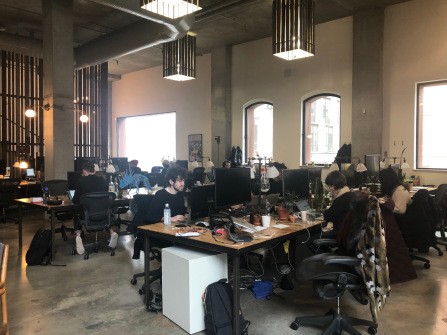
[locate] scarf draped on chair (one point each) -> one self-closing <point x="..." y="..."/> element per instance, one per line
<point x="371" y="248"/>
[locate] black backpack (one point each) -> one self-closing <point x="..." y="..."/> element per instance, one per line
<point x="219" y="310"/>
<point x="40" y="248"/>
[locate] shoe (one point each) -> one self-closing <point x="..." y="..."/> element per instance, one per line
<point x="113" y="240"/>
<point x="79" y="246"/>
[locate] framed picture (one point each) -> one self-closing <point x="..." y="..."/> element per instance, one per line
<point x="195" y="147"/>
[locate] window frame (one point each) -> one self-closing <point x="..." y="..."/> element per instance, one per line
<point x="418" y="135"/>
<point x="245" y="127"/>
<point x="303" y="123"/>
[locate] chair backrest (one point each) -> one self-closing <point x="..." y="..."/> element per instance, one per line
<point x="157" y="169"/>
<point x="140" y="204"/>
<point x="56" y="186"/>
<point x="97" y="208"/>
<point x="198" y="174"/>
<point x="9" y="190"/>
<point x="4" y="248"/>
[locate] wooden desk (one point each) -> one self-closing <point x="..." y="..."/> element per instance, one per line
<point x="206" y="241"/>
<point x="66" y="206"/>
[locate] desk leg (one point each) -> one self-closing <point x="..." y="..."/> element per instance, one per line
<point x="20" y="226"/>
<point x="236" y="288"/>
<point x="147" y="269"/>
<point x="53" y="249"/>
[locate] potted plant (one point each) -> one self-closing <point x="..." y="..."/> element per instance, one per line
<point x="286" y="206"/>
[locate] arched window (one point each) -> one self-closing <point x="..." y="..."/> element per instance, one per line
<point x="258" y="130"/>
<point x="321" y="128"/>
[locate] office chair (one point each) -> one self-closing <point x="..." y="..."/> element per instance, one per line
<point x="157" y="169"/>
<point x="198" y="174"/>
<point x="59" y="187"/>
<point x="97" y="207"/>
<point x="140" y="204"/>
<point x="9" y="190"/>
<point x="440" y="199"/>
<point x="4" y="249"/>
<point x="418" y="226"/>
<point x="335" y="274"/>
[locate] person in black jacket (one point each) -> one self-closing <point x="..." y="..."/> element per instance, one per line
<point x="172" y="195"/>
<point x="89" y="183"/>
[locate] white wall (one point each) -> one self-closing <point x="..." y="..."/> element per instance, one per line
<point x="415" y="50"/>
<point x="147" y="92"/>
<point x="257" y="74"/>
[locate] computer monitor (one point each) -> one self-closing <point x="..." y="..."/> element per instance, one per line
<point x="232" y="186"/>
<point x="121" y="163"/>
<point x="295" y="181"/>
<point x="372" y="163"/>
<point x="201" y="201"/>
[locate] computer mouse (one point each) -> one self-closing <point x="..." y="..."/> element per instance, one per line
<point x="202" y="224"/>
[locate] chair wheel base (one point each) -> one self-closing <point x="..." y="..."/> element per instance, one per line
<point x="133" y="281"/>
<point x="294" y="325"/>
<point x="86" y="256"/>
<point x="427" y="265"/>
<point x="372" y="330"/>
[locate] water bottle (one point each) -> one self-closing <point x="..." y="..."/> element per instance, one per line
<point x="167" y="215"/>
<point x="46" y="195"/>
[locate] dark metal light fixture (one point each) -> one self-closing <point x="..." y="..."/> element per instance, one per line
<point x="179" y="59"/>
<point x="293" y="29"/>
<point x="171" y="8"/>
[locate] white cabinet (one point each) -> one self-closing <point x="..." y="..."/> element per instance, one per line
<point x="185" y="275"/>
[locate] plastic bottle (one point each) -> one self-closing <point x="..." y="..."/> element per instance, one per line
<point x="167" y="215"/>
<point x="46" y="195"/>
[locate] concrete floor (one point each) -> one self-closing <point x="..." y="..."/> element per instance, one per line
<point x="95" y="296"/>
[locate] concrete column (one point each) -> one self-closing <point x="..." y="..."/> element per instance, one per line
<point x="58" y="87"/>
<point x="221" y="103"/>
<point x="367" y="82"/>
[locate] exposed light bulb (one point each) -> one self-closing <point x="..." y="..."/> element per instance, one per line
<point x="83" y="118"/>
<point x="30" y="112"/>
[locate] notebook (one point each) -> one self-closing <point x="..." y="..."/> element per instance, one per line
<point x="70" y="194"/>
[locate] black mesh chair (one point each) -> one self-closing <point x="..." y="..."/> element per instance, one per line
<point x="335" y="274"/>
<point x="9" y="190"/>
<point x="140" y="204"/>
<point x="418" y="226"/>
<point x="440" y="199"/>
<point x="57" y="188"/>
<point x="98" y="216"/>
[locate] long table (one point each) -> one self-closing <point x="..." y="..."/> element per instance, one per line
<point x="206" y="241"/>
<point x="66" y="206"/>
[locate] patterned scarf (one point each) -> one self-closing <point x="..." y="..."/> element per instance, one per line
<point x="371" y="248"/>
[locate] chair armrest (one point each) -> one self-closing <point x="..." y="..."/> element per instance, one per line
<point x="330" y="242"/>
<point x="339" y="259"/>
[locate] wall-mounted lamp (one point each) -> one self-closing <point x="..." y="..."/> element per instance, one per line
<point x="30" y="112"/>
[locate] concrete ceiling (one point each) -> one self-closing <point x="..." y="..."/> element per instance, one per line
<point x="219" y="23"/>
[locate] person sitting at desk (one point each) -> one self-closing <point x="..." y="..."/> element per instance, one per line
<point x="172" y="195"/>
<point x="133" y="165"/>
<point x="341" y="199"/>
<point x="394" y="191"/>
<point x="337" y="212"/>
<point x="89" y="183"/>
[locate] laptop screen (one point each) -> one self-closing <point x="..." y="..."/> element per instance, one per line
<point x="30" y="173"/>
<point x="70" y="194"/>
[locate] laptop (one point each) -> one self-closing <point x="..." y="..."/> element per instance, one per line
<point x="240" y="222"/>
<point x="70" y="194"/>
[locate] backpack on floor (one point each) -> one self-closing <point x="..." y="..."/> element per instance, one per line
<point x="218" y="300"/>
<point x="40" y="248"/>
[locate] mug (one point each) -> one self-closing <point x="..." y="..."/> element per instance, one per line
<point x="266" y="221"/>
<point x="303" y="215"/>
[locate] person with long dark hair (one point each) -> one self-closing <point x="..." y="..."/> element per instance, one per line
<point x="395" y="190"/>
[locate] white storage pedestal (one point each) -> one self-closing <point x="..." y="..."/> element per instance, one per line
<point x="185" y="275"/>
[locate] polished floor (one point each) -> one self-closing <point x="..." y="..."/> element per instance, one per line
<point x="95" y="296"/>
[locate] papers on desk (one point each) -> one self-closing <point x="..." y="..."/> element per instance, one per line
<point x="36" y="199"/>
<point x="280" y="226"/>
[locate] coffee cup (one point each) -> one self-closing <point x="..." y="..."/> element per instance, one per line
<point x="266" y="221"/>
<point x="303" y="215"/>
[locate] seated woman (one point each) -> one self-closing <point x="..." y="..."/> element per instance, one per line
<point x="336" y="213"/>
<point x="396" y="199"/>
